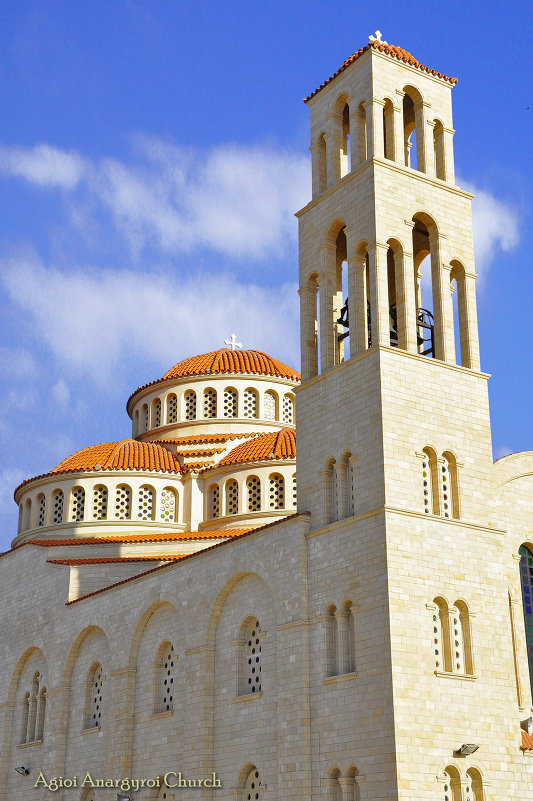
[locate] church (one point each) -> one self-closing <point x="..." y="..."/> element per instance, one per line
<point x="203" y="610"/>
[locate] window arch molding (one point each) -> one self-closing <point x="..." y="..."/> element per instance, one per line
<point x="249" y="645"/>
<point x="94" y="691"/>
<point x="249" y="784"/>
<point x="525" y="553"/>
<point x="164" y="678"/>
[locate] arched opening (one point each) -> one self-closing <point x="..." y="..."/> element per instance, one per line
<point x="94" y="689"/>
<point x="100" y="496"/>
<point x="432" y="307"/>
<point x="388" y="130"/>
<point x="232" y="497"/>
<point x="430" y="481"/>
<point x="334" y="785"/>
<point x="462" y="640"/>
<point x="345" y="154"/>
<point x="452" y="784"/>
<point x="462" y="324"/>
<point x="252" y="785"/>
<point x="438" y="148"/>
<point x="330" y="641"/>
<point x="214" y="501"/>
<point x="145" y="418"/>
<point x="145" y="503"/>
<point x="450" y="486"/>
<point x="476" y="784"/>
<point x="253" y="491"/>
<point x="156" y="413"/>
<point x="41" y="510"/>
<point x="321" y="180"/>
<point x="270" y="405"/>
<point x="172" y="408"/>
<point x="122" y="502"/>
<point x="164" y="678"/>
<point x="441" y="636"/>
<point x="136" y="423"/>
<point x="526" y="579"/>
<point x="352" y="789"/>
<point x="250" y="656"/>
<point x="77" y="504"/>
<point x="348" y="638"/>
<point x="276" y="491"/>
<point x="230" y="406"/>
<point x="26" y="515"/>
<point x="210" y="403"/>
<point x="251" y="403"/>
<point x="58" y="503"/>
<point x="288" y="409"/>
<point x="169" y="505"/>
<point x="361" y="134"/>
<point x="413" y="133"/>
<point x="190" y="404"/>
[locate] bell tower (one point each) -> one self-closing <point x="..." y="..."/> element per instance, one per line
<point x="394" y="457"/>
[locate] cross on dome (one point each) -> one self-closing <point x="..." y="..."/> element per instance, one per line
<point x="233" y="342"/>
<point x="377" y="38"/>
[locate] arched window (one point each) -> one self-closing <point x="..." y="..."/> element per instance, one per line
<point x="99" y="502"/>
<point x="251" y="403"/>
<point x="232" y="497"/>
<point x="334" y="785"/>
<point x="210" y="403"/>
<point x="464" y="325"/>
<point x="414" y="133"/>
<point x="294" y="492"/>
<point x="145" y="417"/>
<point x="276" y="491"/>
<point x="438" y="146"/>
<point x="339" y="639"/>
<point x="145" y="503"/>
<point x="230" y="402"/>
<point x="253" y="486"/>
<point x="430" y="481"/>
<point x="94" y="696"/>
<point x="165" y="676"/>
<point x="319" y="172"/>
<point x="270" y="406"/>
<point x="33" y="711"/>
<point x="136" y="423"/>
<point x="351" y="785"/>
<point x="77" y="504"/>
<point x="169" y="505"/>
<point x="163" y="792"/>
<point x="250" y="657"/>
<point x="330" y="646"/>
<point x="526" y="578"/>
<point x="122" y="502"/>
<point x="361" y="134"/>
<point x="288" y="409"/>
<point x="58" y="502"/>
<point x="476" y="785"/>
<point x="172" y="409"/>
<point x="190" y="404"/>
<point x="214" y="501"/>
<point x="345" y="154"/>
<point x="452" y="784"/>
<point x="156" y="413"/>
<point x="441" y="636"/>
<point x="252" y="785"/>
<point x="450" y="487"/>
<point x="41" y="510"/>
<point x="462" y="639"/>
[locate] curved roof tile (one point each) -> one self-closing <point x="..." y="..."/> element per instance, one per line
<point x="275" y="445"/>
<point x="225" y="360"/>
<point x="391" y="50"/>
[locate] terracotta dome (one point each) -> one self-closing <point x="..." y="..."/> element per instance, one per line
<point x="265" y="447"/>
<point x="127" y="454"/>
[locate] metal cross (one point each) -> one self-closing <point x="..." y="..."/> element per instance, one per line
<point x="233" y="342"/>
<point x="377" y="38"/>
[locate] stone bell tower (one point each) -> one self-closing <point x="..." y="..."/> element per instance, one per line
<point x="394" y="447"/>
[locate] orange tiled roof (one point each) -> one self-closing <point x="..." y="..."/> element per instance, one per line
<point x="527" y="741"/>
<point x="133" y="538"/>
<point x="391" y="50"/>
<point x="274" y="445"/>
<point x="197" y="439"/>
<point x="104" y="560"/>
<point x="253" y="362"/>
<point x="125" y="455"/>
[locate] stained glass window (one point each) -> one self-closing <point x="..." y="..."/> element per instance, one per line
<point x="526" y="574"/>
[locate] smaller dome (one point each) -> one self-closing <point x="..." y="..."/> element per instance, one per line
<point x="265" y="447"/>
<point x="125" y="455"/>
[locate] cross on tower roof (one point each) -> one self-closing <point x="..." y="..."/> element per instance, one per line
<point x="377" y="38"/>
<point x="233" y="342"/>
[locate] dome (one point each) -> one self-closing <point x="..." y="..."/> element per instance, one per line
<point x="125" y="455"/>
<point x="225" y="360"/>
<point x="274" y="445"/>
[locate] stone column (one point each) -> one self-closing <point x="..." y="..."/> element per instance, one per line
<point x="406" y="300"/>
<point x="399" y="144"/>
<point x="468" y="321"/>
<point x="442" y="304"/>
<point x="315" y="168"/>
<point x="326" y="515"/>
<point x="449" y="169"/>
<point x="357" y="300"/>
<point x="328" y="291"/>
<point x="379" y="295"/>
<point x="339" y="469"/>
<point x="428" y="142"/>
<point x="342" y="642"/>
<point x="374" y="127"/>
<point x="356" y="157"/>
<point x="333" y="150"/>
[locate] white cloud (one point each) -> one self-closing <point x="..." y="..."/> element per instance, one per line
<point x="495" y="225"/>
<point x="43" y="165"/>
<point x="237" y="200"/>
<point x="95" y="320"/>
<point x="61" y="392"/>
<point x="16" y="362"/>
<point x="10" y="477"/>
<point x="503" y="450"/>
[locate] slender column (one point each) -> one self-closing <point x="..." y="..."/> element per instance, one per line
<point x="308" y="331"/>
<point x="340" y="484"/>
<point x="355" y="154"/>
<point x="315" y="168"/>
<point x="333" y="149"/>
<point x="357" y="310"/>
<point x="327" y="476"/>
<point x="328" y="325"/>
<point x="428" y="142"/>
<point x="379" y="295"/>
<point x="442" y="304"/>
<point x="468" y="318"/>
<point x="406" y="301"/>
<point x="399" y="145"/>
<point x="360" y="136"/>
<point x="449" y="169"/>
<point x="347" y="784"/>
<point x="374" y="127"/>
<point x="342" y="620"/>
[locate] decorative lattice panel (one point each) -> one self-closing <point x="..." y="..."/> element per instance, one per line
<point x="288" y="409"/>
<point x="426" y="484"/>
<point x="230" y="403"/>
<point x="156" y="414"/>
<point x="526" y="576"/>
<point x="210" y="403"/>
<point x="145" y="504"/>
<point x="190" y="405"/>
<point x="253" y="486"/>
<point x="96" y="697"/>
<point x="145" y="418"/>
<point x="172" y="409"/>
<point x="168" y="505"/>
<point x="445" y="480"/>
<point x="42" y="511"/>
<point x="276" y="492"/>
<point x="215" y="501"/>
<point x="270" y="406"/>
<point x="232" y="498"/>
<point x="167" y="677"/>
<point x="77" y="507"/>
<point x="294" y="493"/>
<point x="253" y="658"/>
<point x="123" y="502"/>
<point x="251" y="788"/>
<point x="100" y="502"/>
<point x="58" y="503"/>
<point x="250" y="403"/>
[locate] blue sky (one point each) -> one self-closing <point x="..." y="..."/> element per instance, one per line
<point x="151" y="158"/>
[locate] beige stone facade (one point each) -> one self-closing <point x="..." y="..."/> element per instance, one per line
<point x="350" y="650"/>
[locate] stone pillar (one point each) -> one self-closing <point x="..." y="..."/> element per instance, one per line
<point x="333" y="150"/>
<point x="428" y="141"/>
<point x="315" y="168"/>
<point x="339" y="469"/>
<point x="374" y="127"/>
<point x="357" y="299"/>
<point x="326" y="516"/>
<point x="442" y="304"/>
<point x="356" y="157"/>
<point x="199" y="680"/>
<point x="406" y="301"/>
<point x="399" y="144"/>
<point x="342" y="642"/>
<point x="449" y="168"/>
<point x="347" y="785"/>
<point x="328" y="324"/>
<point x="379" y="295"/>
<point x="468" y="322"/>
